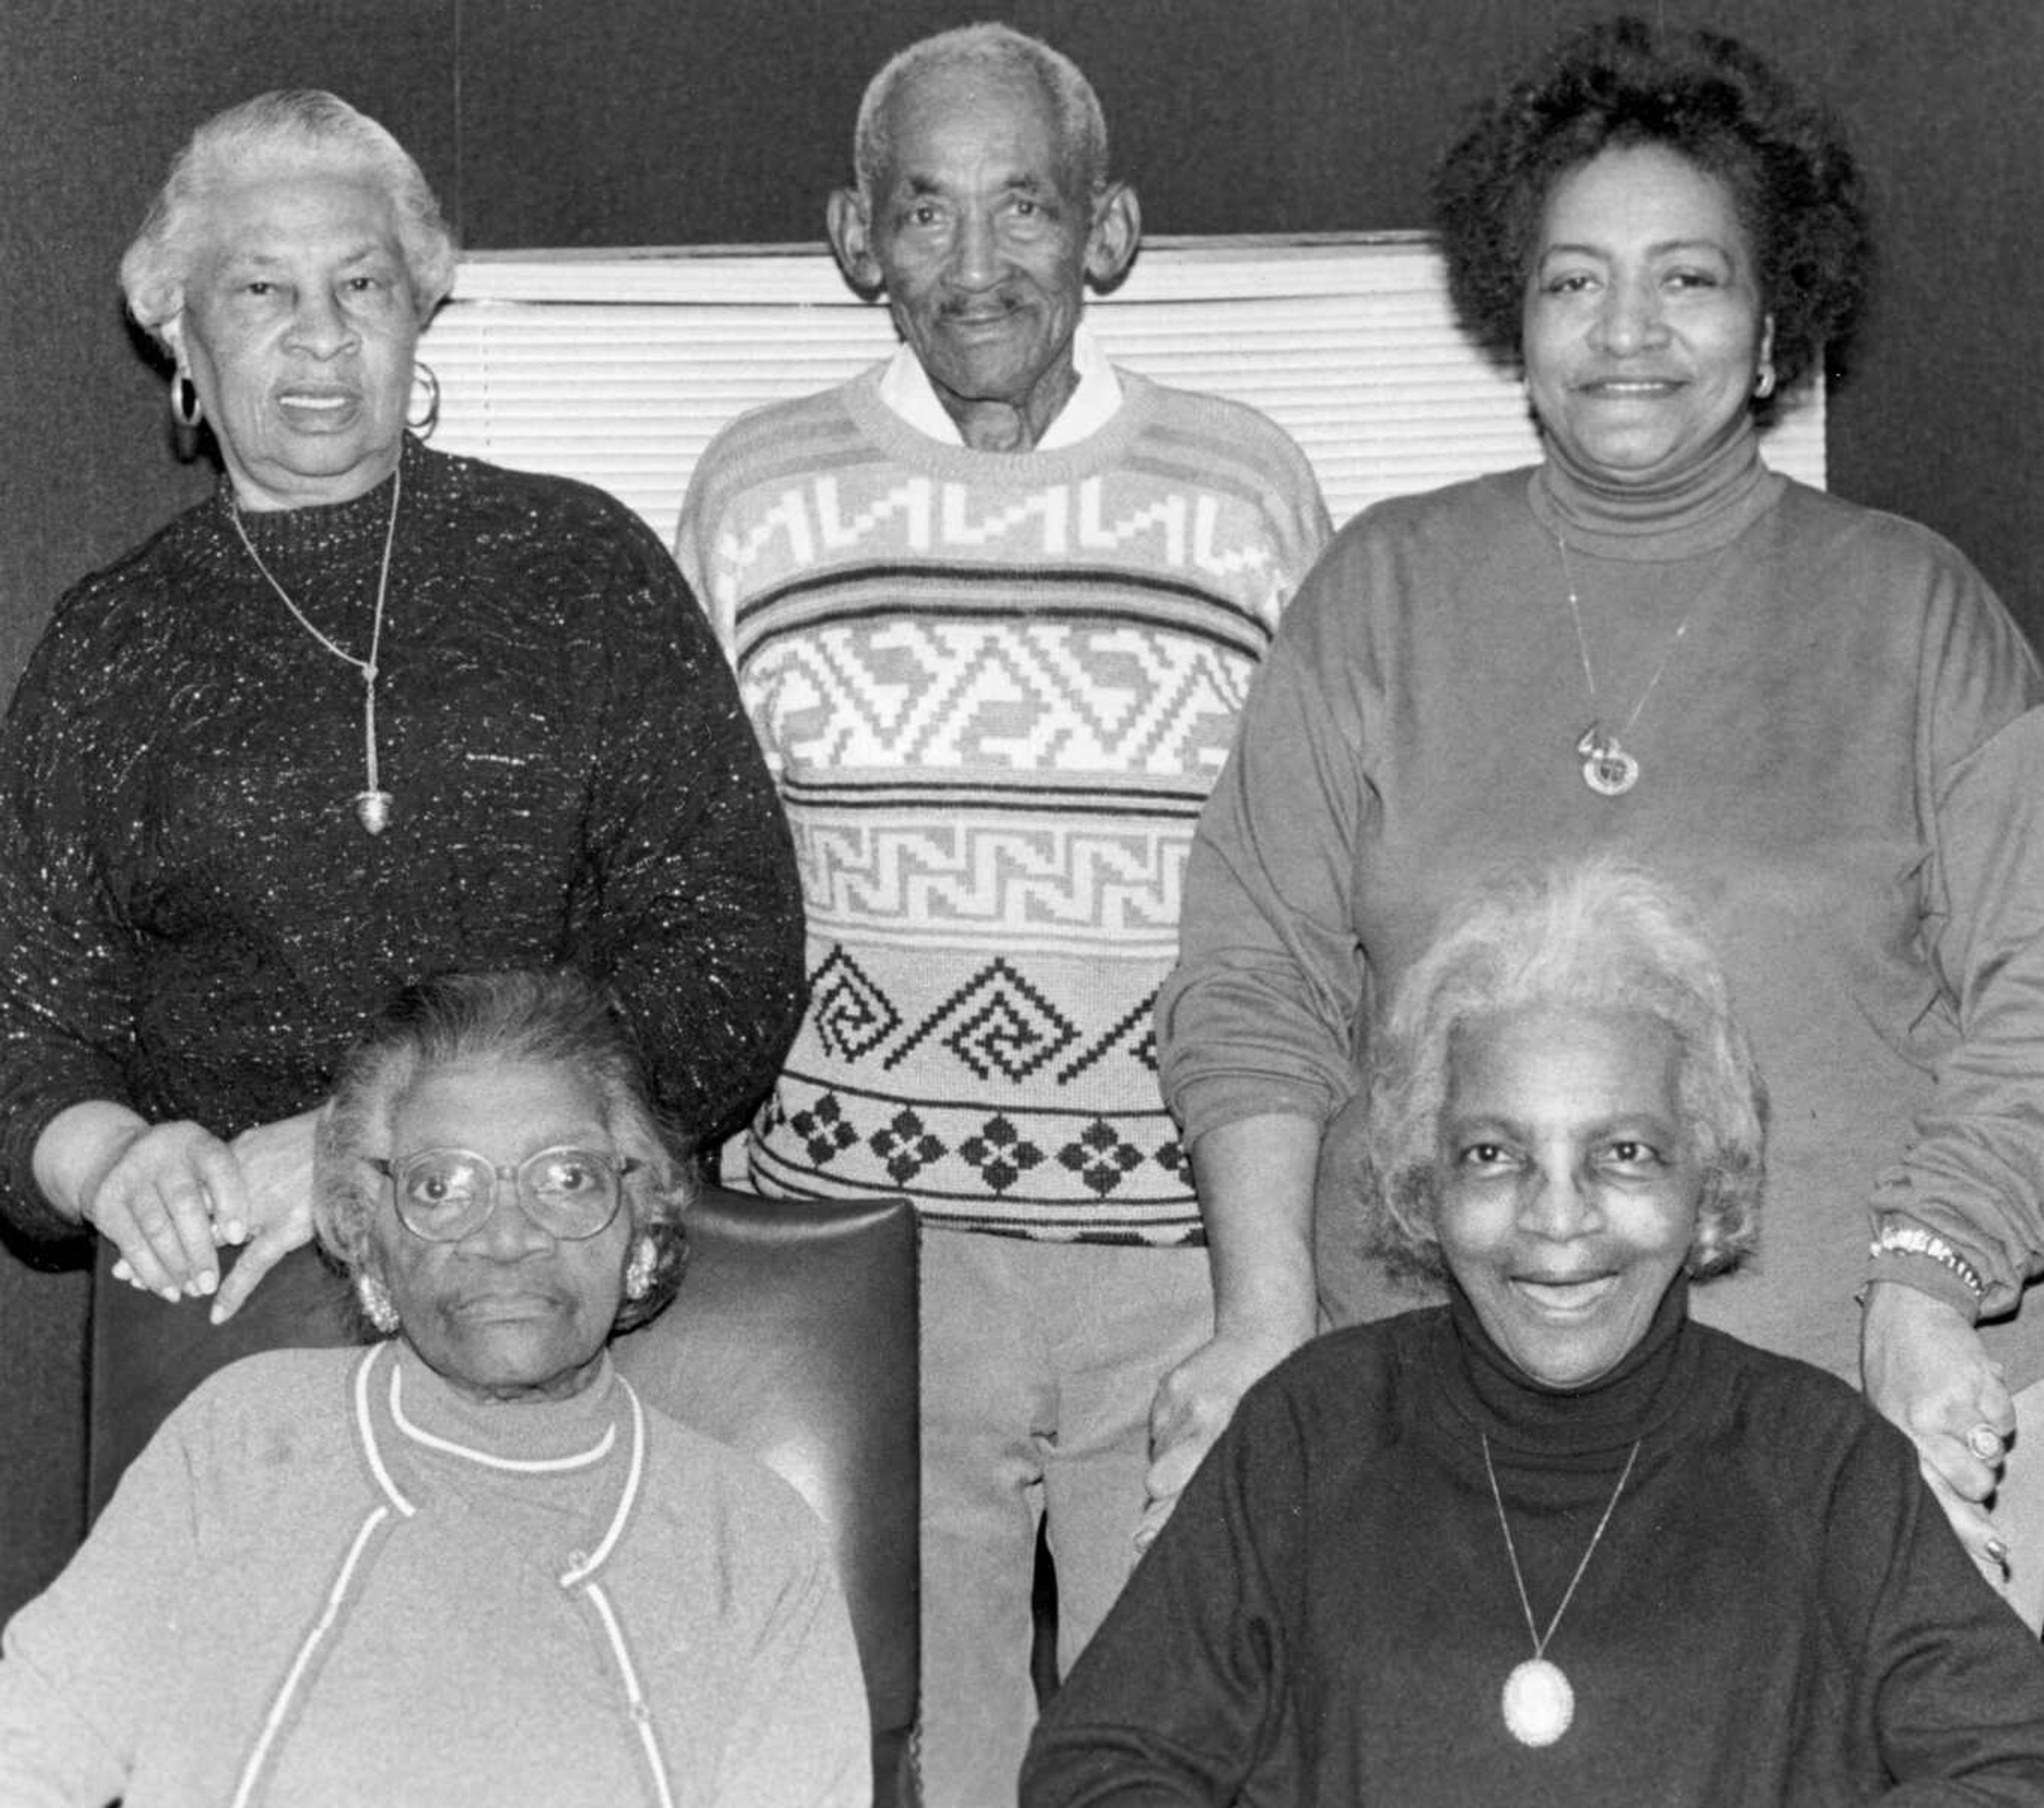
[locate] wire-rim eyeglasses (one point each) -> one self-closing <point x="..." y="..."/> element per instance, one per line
<point x="445" y="1195"/>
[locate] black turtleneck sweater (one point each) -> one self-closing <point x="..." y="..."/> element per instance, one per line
<point x="192" y="920"/>
<point x="1777" y="1613"/>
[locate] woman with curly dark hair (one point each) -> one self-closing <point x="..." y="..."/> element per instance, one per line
<point x="1811" y="716"/>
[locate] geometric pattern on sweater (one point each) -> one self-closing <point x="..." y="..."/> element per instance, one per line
<point x="939" y="691"/>
<point x="962" y="880"/>
<point x="994" y="691"/>
<point x="971" y="1169"/>
<point x="808" y="524"/>
<point x="1011" y="1105"/>
<point x="997" y="1026"/>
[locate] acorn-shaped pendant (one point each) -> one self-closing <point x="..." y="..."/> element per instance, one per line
<point x="374" y="810"/>
<point x="1538" y="1703"/>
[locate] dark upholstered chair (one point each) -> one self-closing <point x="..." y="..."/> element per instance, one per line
<point x="794" y="1337"/>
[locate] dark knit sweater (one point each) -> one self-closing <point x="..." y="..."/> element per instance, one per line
<point x="193" y="922"/>
<point x="1777" y="1612"/>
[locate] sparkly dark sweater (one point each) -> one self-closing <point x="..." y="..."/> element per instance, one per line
<point x="192" y="920"/>
<point x="1777" y="1613"/>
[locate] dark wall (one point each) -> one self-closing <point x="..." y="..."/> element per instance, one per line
<point x="592" y="122"/>
<point x="588" y="122"/>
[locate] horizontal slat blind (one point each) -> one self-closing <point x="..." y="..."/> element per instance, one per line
<point x="617" y="367"/>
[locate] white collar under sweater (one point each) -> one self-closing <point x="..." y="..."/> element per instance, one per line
<point x="399" y="1402"/>
<point x="906" y="389"/>
<point x="535" y="1438"/>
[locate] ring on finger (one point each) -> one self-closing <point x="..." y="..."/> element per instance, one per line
<point x="1985" y="1442"/>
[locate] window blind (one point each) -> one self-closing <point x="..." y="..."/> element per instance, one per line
<point x="617" y="367"/>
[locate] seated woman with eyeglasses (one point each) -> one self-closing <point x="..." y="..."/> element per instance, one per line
<point x="467" y="1565"/>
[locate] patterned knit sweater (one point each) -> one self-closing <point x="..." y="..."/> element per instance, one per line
<point x="994" y="689"/>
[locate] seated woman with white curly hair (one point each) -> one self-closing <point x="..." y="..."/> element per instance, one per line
<point x="469" y="1565"/>
<point x="1552" y="1542"/>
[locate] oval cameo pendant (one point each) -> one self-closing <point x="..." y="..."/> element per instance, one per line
<point x="1538" y="1703"/>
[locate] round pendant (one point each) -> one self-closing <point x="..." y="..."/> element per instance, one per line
<point x="1538" y="1703"/>
<point x="1613" y="773"/>
<point x="374" y="810"/>
<point x="1607" y="769"/>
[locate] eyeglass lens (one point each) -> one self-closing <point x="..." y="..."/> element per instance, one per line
<point x="446" y="1194"/>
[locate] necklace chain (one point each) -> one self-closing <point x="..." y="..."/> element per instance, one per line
<point x="1583" y="649"/>
<point x="373" y="804"/>
<point x="1540" y="1639"/>
<point x="1609" y="769"/>
<point x="1582" y="643"/>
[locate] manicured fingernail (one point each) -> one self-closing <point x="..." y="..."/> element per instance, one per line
<point x="236" y="1231"/>
<point x="171" y="1294"/>
<point x="208" y="1284"/>
<point x="122" y="1271"/>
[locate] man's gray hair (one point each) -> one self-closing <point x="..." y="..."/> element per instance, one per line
<point x="1082" y="127"/>
<point x="1598" y="934"/>
<point x="289" y="127"/>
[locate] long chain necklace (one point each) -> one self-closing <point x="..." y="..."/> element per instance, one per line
<point x="1538" y="1702"/>
<point x="372" y="803"/>
<point x="1609" y="769"/>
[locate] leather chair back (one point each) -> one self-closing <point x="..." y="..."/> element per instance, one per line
<point x="793" y="1338"/>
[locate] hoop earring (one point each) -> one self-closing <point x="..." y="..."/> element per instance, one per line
<point x="179" y="383"/>
<point x="1763" y="386"/>
<point x="422" y="373"/>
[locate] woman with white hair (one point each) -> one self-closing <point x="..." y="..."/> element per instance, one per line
<point x="369" y="711"/>
<point x="1552" y="1542"/>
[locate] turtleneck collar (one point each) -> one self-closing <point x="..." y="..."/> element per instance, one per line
<point x="581" y="1429"/>
<point x="1700" y="509"/>
<point x="1495" y="1397"/>
<point x="557" y="1479"/>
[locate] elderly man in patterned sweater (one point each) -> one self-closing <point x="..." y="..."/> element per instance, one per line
<point x="994" y="606"/>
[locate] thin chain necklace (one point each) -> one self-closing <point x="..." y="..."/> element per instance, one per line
<point x="1538" y="1702"/>
<point x="1609" y="769"/>
<point x="372" y="803"/>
